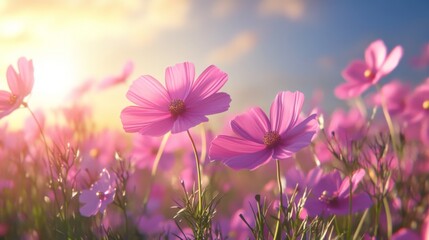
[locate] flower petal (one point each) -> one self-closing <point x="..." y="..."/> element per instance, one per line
<point x="239" y="153"/>
<point x="91" y="203"/>
<point x="186" y="121"/>
<point x="392" y="60"/>
<point x="26" y="73"/>
<point x="146" y="91"/>
<point x="146" y="121"/>
<point x="355" y="72"/>
<point x="285" y="110"/>
<point x="375" y="54"/>
<point x="350" y="90"/>
<point x="13" y="80"/>
<point x="215" y="103"/>
<point x="296" y="138"/>
<point x="251" y="125"/>
<point x="179" y="79"/>
<point x="209" y="82"/>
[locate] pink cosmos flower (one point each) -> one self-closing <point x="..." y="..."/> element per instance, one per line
<point x="422" y="60"/>
<point x="98" y="196"/>
<point x="395" y="94"/>
<point x="118" y="79"/>
<point x="332" y="196"/>
<point x="183" y="104"/>
<point x="360" y="75"/>
<point x="20" y="84"/>
<point x="418" y="109"/>
<point x="259" y="139"/>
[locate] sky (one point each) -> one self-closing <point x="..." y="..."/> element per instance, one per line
<point x="265" y="46"/>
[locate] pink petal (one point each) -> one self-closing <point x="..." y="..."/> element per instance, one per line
<point x="238" y="153"/>
<point x="392" y="60"/>
<point x="375" y="54"/>
<point x="187" y="121"/>
<point x="209" y="82"/>
<point x="215" y="103"/>
<point x="91" y="203"/>
<point x="13" y="80"/>
<point x="109" y="199"/>
<point x="296" y="138"/>
<point x="5" y="100"/>
<point x="343" y="190"/>
<point x="285" y="110"/>
<point x="146" y="91"/>
<point x="152" y="122"/>
<point x="350" y="90"/>
<point x="179" y="79"/>
<point x="354" y="72"/>
<point x="251" y="125"/>
<point x="26" y="73"/>
<point x="103" y="184"/>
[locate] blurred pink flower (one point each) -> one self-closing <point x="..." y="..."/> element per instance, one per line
<point x="96" y="199"/>
<point x="418" y="109"/>
<point x="145" y="149"/>
<point x="20" y="85"/>
<point x="183" y="104"/>
<point x="360" y="75"/>
<point x="395" y="94"/>
<point x="406" y="234"/>
<point x="422" y="60"/>
<point x="121" y="78"/>
<point x="332" y="196"/>
<point x="259" y="139"/>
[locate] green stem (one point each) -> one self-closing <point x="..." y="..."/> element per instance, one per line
<point x="388" y="120"/>
<point x="197" y="163"/>
<point x="388" y="218"/>
<point x="277" y="233"/>
<point x="350" y="222"/>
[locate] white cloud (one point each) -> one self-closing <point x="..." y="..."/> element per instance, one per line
<point x="292" y="9"/>
<point x="240" y="45"/>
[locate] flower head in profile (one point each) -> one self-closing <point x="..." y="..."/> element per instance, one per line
<point x="259" y="139"/>
<point x="20" y="85"/>
<point x="98" y="196"/>
<point x="331" y="195"/>
<point x="183" y="103"/>
<point x="360" y="75"/>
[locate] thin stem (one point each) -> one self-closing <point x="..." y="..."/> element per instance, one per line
<point x="388" y="120"/>
<point x="159" y="153"/>
<point x="277" y="234"/>
<point x="388" y="218"/>
<point x="197" y="163"/>
<point x="350" y="222"/>
<point x="155" y="167"/>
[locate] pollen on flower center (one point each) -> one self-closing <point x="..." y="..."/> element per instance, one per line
<point x="94" y="153"/>
<point x="12" y="99"/>
<point x="425" y="105"/>
<point x="271" y="139"/>
<point x="369" y="74"/>
<point x="177" y="107"/>
<point x="327" y="198"/>
<point x="102" y="196"/>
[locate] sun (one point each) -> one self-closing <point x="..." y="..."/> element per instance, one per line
<point x="54" y="77"/>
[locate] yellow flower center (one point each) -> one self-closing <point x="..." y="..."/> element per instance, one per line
<point x="369" y="74"/>
<point x="94" y="153"/>
<point x="12" y="99"/>
<point x="271" y="139"/>
<point x="425" y="105"/>
<point x="177" y="107"/>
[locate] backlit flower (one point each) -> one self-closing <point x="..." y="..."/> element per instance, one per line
<point x="98" y="196"/>
<point x="20" y="85"/>
<point x="360" y="75"/>
<point x="259" y="139"/>
<point x="182" y="104"/>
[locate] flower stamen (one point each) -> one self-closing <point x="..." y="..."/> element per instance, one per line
<point x="271" y="139"/>
<point x="102" y="196"/>
<point x="425" y="105"/>
<point x="177" y="107"/>
<point x="369" y="74"/>
<point x="12" y="99"/>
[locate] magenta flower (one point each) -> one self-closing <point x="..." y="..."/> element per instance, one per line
<point x="331" y="195"/>
<point x="183" y="104"/>
<point x="259" y="139"/>
<point x="360" y="75"/>
<point x="20" y="84"/>
<point x="395" y="94"/>
<point x="118" y="79"/>
<point x="98" y="196"/>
